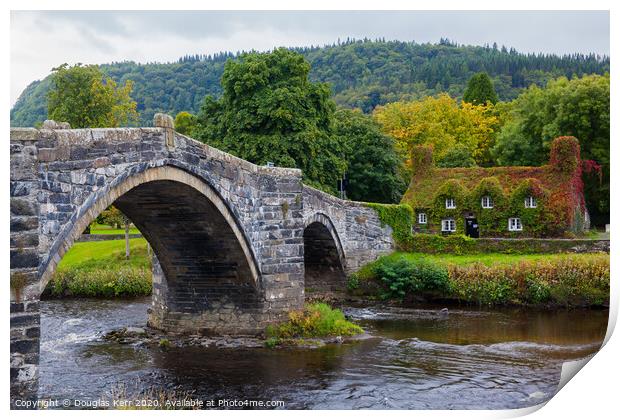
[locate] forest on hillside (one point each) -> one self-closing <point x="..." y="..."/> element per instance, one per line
<point x="361" y="73"/>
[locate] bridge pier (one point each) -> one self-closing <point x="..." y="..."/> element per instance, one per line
<point x="242" y="314"/>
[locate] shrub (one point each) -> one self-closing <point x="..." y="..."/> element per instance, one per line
<point x="431" y="243"/>
<point x="315" y="320"/>
<point x="402" y="275"/>
<point x="353" y="282"/>
<point x="396" y="276"/>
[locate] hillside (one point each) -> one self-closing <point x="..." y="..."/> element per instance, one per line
<point x="362" y="74"/>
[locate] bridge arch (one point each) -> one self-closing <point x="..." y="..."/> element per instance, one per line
<point x="324" y="257"/>
<point x="124" y="188"/>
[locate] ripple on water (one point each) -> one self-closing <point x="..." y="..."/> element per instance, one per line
<point x="417" y="359"/>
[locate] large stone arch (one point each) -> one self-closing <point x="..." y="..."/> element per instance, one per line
<point x="122" y="185"/>
<point x="61" y="179"/>
<point x="324" y="257"/>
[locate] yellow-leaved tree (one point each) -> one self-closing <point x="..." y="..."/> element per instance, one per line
<point x="440" y="121"/>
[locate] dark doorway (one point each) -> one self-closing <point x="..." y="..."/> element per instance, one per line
<point x="471" y="228"/>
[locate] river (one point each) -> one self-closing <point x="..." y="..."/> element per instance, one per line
<point x="418" y="358"/>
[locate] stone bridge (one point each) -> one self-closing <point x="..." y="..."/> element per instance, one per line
<point x="235" y="244"/>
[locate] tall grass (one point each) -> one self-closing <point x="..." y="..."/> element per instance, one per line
<point x="110" y="282"/>
<point x="565" y="280"/>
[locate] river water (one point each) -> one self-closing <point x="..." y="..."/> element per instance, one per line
<point x="416" y="359"/>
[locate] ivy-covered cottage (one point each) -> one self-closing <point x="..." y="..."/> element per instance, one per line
<point x="510" y="201"/>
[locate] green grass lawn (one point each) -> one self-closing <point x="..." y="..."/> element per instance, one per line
<point x="489" y="259"/>
<point x="97" y="229"/>
<point x="102" y="254"/>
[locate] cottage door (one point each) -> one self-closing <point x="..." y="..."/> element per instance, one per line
<point x="471" y="228"/>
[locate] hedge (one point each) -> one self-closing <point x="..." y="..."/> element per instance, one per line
<point x="461" y="244"/>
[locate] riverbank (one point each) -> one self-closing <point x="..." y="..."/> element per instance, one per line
<point x="551" y="280"/>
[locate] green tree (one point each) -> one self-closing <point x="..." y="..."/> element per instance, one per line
<point x="84" y="97"/>
<point x="112" y="216"/>
<point x="459" y="156"/>
<point x="185" y="123"/>
<point x="271" y="112"/>
<point x="480" y="90"/>
<point x="577" y="107"/>
<point x="373" y="171"/>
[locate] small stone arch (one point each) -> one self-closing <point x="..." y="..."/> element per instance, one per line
<point x="121" y="185"/>
<point x="324" y="257"/>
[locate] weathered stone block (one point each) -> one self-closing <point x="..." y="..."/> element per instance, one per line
<point x="19" y="224"/>
<point x="24" y="259"/>
<point x="23" y="207"/>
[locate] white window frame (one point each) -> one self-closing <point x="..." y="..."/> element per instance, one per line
<point x="422" y="219"/>
<point x="530" y="202"/>
<point x="448" y="225"/>
<point x="514" y="224"/>
<point x="450" y="203"/>
<point x="489" y="202"/>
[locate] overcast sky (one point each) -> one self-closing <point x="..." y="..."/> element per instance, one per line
<point x="42" y="40"/>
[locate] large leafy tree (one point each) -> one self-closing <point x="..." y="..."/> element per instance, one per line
<point x="457" y="157"/>
<point x="373" y="170"/>
<point x="480" y="90"/>
<point x="184" y="123"/>
<point x="439" y="121"/>
<point x="577" y="107"/>
<point x="84" y="97"/>
<point x="271" y="112"/>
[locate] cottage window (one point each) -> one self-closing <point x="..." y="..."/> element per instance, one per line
<point x="514" y="224"/>
<point x="487" y="202"/>
<point x="422" y="218"/>
<point x="448" y="225"/>
<point x="450" y="204"/>
<point x="530" y="202"/>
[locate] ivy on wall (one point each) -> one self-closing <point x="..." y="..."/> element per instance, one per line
<point x="398" y="216"/>
<point x="490" y="220"/>
<point x="451" y="189"/>
<point x="542" y="220"/>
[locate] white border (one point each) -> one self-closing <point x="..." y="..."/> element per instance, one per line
<point x="593" y="394"/>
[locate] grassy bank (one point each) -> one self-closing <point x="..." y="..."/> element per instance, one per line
<point x="316" y="320"/>
<point x="99" y="269"/>
<point x="489" y="279"/>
